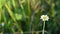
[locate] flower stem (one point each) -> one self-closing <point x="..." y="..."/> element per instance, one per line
<point x="43" y="27"/>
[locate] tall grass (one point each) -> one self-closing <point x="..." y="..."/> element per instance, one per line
<point x="23" y="16"/>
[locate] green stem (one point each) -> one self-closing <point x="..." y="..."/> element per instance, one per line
<point x="43" y="27"/>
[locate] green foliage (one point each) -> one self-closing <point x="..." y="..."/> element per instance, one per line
<point x="24" y="16"/>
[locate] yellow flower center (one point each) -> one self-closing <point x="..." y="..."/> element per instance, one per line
<point x="44" y="17"/>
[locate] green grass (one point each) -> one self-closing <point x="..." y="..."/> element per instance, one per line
<point x="24" y="16"/>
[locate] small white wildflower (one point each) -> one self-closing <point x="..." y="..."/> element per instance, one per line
<point x="44" y="18"/>
<point x="2" y="23"/>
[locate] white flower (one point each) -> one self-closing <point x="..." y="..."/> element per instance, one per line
<point x="44" y="18"/>
<point x="2" y="23"/>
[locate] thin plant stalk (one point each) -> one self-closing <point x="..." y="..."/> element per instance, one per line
<point x="43" y="27"/>
<point x="12" y="16"/>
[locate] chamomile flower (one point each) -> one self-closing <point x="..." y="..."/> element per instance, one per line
<point x="44" y="18"/>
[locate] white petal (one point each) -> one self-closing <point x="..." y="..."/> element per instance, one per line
<point x="42" y="17"/>
<point x="43" y="20"/>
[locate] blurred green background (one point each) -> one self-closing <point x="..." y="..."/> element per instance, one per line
<point x="21" y="16"/>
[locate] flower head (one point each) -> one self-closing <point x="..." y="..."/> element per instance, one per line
<point x="2" y="23"/>
<point x="44" y="17"/>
